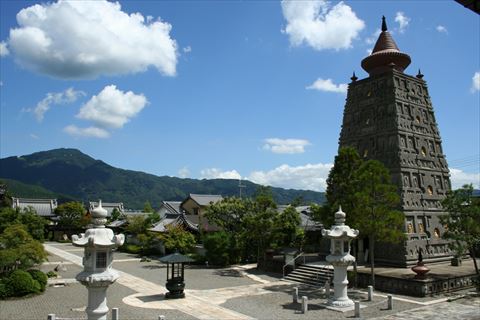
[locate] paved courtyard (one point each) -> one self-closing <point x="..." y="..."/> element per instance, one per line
<point x="239" y="292"/>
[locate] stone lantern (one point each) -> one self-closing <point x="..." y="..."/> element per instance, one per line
<point x="175" y="274"/>
<point x="99" y="243"/>
<point x="341" y="235"/>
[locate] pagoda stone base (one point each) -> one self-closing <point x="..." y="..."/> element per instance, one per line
<point x="416" y="287"/>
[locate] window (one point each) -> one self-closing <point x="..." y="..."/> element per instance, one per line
<point x="101" y="260"/>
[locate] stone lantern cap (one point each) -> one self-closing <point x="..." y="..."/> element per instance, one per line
<point x="176" y="258"/>
<point x="98" y="236"/>
<point x="339" y="229"/>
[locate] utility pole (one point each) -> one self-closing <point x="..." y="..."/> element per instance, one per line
<point x="241" y="186"/>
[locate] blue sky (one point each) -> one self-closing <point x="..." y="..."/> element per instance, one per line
<point x="207" y="89"/>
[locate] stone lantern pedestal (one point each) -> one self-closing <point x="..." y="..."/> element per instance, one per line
<point x="341" y="235"/>
<point x="98" y="243"/>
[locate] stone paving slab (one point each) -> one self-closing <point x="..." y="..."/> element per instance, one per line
<point x="447" y="311"/>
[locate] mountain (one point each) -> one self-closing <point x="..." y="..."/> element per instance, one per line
<point x="71" y="173"/>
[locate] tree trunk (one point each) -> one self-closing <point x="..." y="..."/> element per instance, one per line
<point x="372" y="259"/>
<point x="472" y="254"/>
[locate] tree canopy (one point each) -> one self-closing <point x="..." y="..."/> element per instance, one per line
<point x="71" y="215"/>
<point x="462" y="222"/>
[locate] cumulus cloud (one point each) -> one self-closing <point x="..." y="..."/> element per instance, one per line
<point x="441" y="29"/>
<point x="307" y="177"/>
<point x="184" y="172"/>
<point x="328" y="86"/>
<point x="476" y="82"/>
<point x="459" y="178"/>
<point x="85" y="39"/>
<point x="319" y="25"/>
<point x="3" y="49"/>
<point x="215" y="173"/>
<point x="402" y="20"/>
<point x="90" y="132"/>
<point x="187" y="49"/>
<point x="68" y="96"/>
<point x="373" y="38"/>
<point x="112" y="108"/>
<point x="290" y="146"/>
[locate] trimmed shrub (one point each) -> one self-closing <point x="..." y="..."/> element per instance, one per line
<point x="21" y="283"/>
<point x="131" y="248"/>
<point x="40" y="277"/>
<point x="218" y="246"/>
<point x="51" y="274"/>
<point x="5" y="291"/>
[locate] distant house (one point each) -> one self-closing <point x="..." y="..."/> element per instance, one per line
<point x="196" y="204"/>
<point x="43" y="207"/>
<point x="187" y="213"/>
<point x="306" y="223"/>
<point x="122" y="221"/>
<point x="109" y="206"/>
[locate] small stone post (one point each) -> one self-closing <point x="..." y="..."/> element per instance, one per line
<point x="98" y="243"/>
<point x="161" y="317"/>
<point x="295" y="295"/>
<point x="357" y="309"/>
<point x="327" y="289"/>
<point x="389" y="302"/>
<point x="370" y="293"/>
<point x="115" y="314"/>
<point x="304" y="304"/>
<point x="51" y="316"/>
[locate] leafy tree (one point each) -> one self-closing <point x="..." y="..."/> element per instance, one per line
<point x="147" y="207"/>
<point x="34" y="223"/>
<point x="258" y="232"/>
<point x="152" y="218"/>
<point x="137" y="224"/>
<point x="341" y="186"/>
<point x="19" y="248"/>
<point x="287" y="227"/>
<point x="177" y="238"/>
<point x="463" y="221"/>
<point x="264" y="198"/>
<point x="217" y="245"/>
<point x="374" y="206"/>
<point x="115" y="215"/>
<point x="72" y="215"/>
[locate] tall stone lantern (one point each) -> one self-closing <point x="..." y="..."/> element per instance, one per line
<point x="341" y="235"/>
<point x="99" y="243"/>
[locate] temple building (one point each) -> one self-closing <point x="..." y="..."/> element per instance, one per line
<point x="389" y="117"/>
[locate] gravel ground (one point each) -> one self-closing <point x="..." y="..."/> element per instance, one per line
<point x="70" y="302"/>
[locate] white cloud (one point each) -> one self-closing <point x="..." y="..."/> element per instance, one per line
<point x="441" y="29"/>
<point x="90" y="132"/>
<point x="476" y="82"/>
<point x="373" y="38"/>
<point x="184" y="172"/>
<point x="459" y="178"/>
<point x="307" y="177"/>
<point x="68" y="96"/>
<point x="328" y="85"/>
<point x="112" y="108"/>
<point x="402" y="20"/>
<point x="34" y="136"/>
<point x="215" y="173"/>
<point x="3" y="49"/>
<point x="285" y="145"/>
<point x="320" y="25"/>
<point x="85" y="39"/>
<point x="187" y="49"/>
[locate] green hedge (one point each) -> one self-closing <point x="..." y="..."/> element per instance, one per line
<point x="40" y="277"/>
<point x="131" y="248"/>
<point x="20" y="283"/>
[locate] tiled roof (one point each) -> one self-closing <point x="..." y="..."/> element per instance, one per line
<point x="172" y="206"/>
<point x="43" y="207"/>
<point x="205" y="199"/>
<point x="174" y="220"/>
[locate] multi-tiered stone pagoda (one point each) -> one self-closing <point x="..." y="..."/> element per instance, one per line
<point x="389" y="117"/>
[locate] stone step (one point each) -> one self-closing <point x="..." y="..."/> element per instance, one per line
<point x="311" y="275"/>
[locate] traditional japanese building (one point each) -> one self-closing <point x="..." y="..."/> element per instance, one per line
<point x="389" y="117"/>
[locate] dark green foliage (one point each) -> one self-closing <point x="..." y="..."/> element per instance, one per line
<point x="40" y="276"/>
<point x="288" y="231"/>
<point x="72" y="215"/>
<point x="463" y="221"/>
<point x="115" y="215"/>
<point x="34" y="223"/>
<point x="85" y="178"/>
<point x="21" y="283"/>
<point x="5" y="291"/>
<point x="131" y="248"/>
<point x="51" y="274"/>
<point x="218" y="246"/>
<point x="19" y="248"/>
<point x="176" y="238"/>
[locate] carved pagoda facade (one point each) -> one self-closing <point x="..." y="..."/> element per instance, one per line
<point x="389" y="117"/>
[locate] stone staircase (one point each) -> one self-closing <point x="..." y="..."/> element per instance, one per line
<point x="312" y="275"/>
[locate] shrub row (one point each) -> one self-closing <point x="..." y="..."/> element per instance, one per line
<point x="19" y="283"/>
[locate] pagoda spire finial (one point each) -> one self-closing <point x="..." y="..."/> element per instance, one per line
<point x="384" y="24"/>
